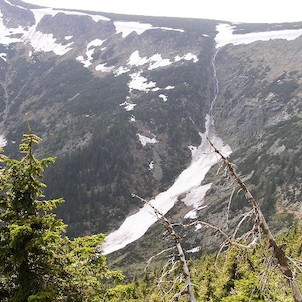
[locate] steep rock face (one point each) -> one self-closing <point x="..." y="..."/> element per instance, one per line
<point x="258" y="112"/>
<point x="259" y="86"/>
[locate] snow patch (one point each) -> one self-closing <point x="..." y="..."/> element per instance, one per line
<point x="46" y="43"/>
<point x="67" y="38"/>
<point x="3" y="56"/>
<point x="128" y="106"/>
<point x="154" y="61"/>
<point x="193" y="149"/>
<point x="158" y="61"/>
<point x="194" y="250"/>
<point x="169" y="87"/>
<point x="136" y="225"/>
<point x="225" y="35"/>
<point x="127" y="28"/>
<point x="132" y="119"/>
<point x="191" y="215"/>
<point x="151" y="165"/>
<point x="53" y="12"/>
<point x="136" y="60"/>
<point x="120" y="71"/>
<point x="11" y="4"/>
<point x="164" y="97"/>
<point x="146" y="140"/>
<point x="91" y="46"/>
<point x="139" y="82"/>
<point x="3" y="141"/>
<point x="196" y="195"/>
<point x="187" y="57"/>
<point x="103" y="68"/>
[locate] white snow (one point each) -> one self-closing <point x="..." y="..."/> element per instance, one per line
<point x="225" y="35"/>
<point x="194" y="250"/>
<point x="3" y="141"/>
<point x="103" y="68"/>
<point x="193" y="149"/>
<point x="158" y="61"/>
<point x="151" y="165"/>
<point x="128" y="106"/>
<point x="196" y="195"/>
<point x="139" y="82"/>
<point x="136" y="60"/>
<point x="30" y="53"/>
<point x="132" y="118"/>
<point x="67" y="38"/>
<point x="38" y="40"/>
<point x="91" y="46"/>
<point x="6" y="36"/>
<point x="14" y="5"/>
<point x="191" y="215"/>
<point x="120" y="71"/>
<point x="164" y="97"/>
<point x="187" y="57"/>
<point x="3" y="56"/>
<point x="46" y="43"/>
<point x="169" y="87"/>
<point x="198" y="226"/>
<point x="127" y="28"/>
<point x="146" y="140"/>
<point x="136" y="225"/>
<point x="154" y="61"/>
<point x="49" y="11"/>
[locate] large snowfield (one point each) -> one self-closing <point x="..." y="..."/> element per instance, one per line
<point x="188" y="183"/>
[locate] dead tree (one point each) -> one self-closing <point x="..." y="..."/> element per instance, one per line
<point x="182" y="258"/>
<point x="283" y="261"/>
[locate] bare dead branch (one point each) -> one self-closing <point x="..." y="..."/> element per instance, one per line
<point x="157" y="255"/>
<point x="219" y="230"/>
<point x="176" y="238"/>
<point x="278" y="252"/>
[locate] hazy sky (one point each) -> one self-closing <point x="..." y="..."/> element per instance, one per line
<point x="229" y="10"/>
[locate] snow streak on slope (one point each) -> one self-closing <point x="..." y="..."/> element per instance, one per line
<point x="127" y="28"/>
<point x="225" y="35"/>
<point x="91" y="46"/>
<point x="146" y="140"/>
<point x="38" y="40"/>
<point x="156" y="60"/>
<point x="135" y="226"/>
<point x="188" y="183"/>
<point x="139" y="82"/>
<point x="3" y="141"/>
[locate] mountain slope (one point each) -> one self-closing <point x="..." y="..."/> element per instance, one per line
<point x="123" y="102"/>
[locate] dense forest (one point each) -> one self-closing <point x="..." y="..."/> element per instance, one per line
<point x="40" y="263"/>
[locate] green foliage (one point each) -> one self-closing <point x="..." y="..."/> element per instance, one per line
<point x="234" y="275"/>
<point x="37" y="262"/>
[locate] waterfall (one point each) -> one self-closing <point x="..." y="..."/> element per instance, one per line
<point x="187" y="184"/>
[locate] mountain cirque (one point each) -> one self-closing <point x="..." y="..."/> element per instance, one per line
<point x="122" y="102"/>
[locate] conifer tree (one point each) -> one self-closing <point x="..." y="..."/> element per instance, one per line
<point x="37" y="261"/>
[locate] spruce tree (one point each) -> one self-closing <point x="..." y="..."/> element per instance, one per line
<point x="37" y="261"/>
<point x="31" y="236"/>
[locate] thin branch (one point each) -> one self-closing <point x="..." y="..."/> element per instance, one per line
<point x="176" y="238"/>
<point x="278" y="252"/>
